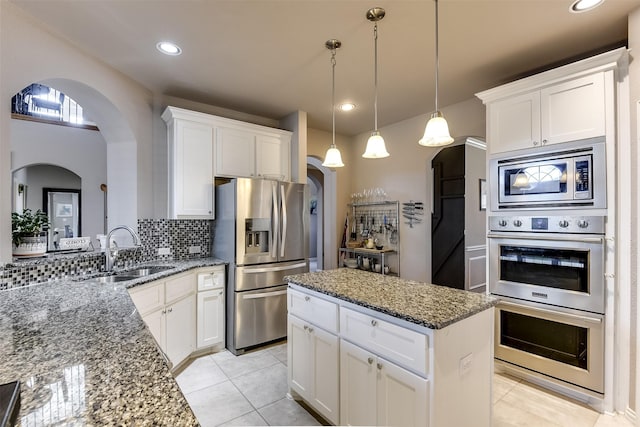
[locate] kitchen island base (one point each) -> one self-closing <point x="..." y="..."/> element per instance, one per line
<point x="345" y="359"/>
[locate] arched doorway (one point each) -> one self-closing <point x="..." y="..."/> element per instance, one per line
<point x="322" y="183"/>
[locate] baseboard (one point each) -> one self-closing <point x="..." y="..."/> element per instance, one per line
<point x="631" y="415"/>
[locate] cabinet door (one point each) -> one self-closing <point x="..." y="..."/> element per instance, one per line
<point x="403" y="397"/>
<point x="357" y="386"/>
<point x="272" y="157"/>
<point x="514" y="123"/>
<point x="235" y="153"/>
<point x="326" y="374"/>
<point x="180" y="336"/>
<point x="573" y="110"/>
<point x="192" y="190"/>
<point x="210" y="325"/>
<point x="300" y="357"/>
<point x="155" y="321"/>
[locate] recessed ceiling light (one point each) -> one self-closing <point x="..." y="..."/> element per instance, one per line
<point x="579" y="6"/>
<point x="169" y="48"/>
<point x="347" y="106"/>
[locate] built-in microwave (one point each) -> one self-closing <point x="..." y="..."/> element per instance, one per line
<point x="568" y="175"/>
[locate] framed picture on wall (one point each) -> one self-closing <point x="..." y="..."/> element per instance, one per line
<point x="483" y="194"/>
<point x="64" y="210"/>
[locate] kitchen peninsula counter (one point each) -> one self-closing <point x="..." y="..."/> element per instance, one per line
<point x="431" y="306"/>
<point x="84" y="356"/>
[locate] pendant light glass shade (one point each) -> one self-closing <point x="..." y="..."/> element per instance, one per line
<point x="436" y="133"/>
<point x="332" y="158"/>
<point x="376" y="148"/>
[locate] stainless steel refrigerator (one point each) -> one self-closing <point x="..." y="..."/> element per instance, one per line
<point x="262" y="231"/>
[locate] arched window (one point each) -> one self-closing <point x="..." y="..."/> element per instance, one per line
<point x="43" y="103"/>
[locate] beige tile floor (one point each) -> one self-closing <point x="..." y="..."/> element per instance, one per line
<point x="250" y="390"/>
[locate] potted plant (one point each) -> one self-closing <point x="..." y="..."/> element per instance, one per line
<point x="27" y="231"/>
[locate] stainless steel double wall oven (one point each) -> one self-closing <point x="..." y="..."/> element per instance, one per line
<point x="546" y="262"/>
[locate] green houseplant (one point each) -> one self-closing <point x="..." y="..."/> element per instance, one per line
<point x="26" y="232"/>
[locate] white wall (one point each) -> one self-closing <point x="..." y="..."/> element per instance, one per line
<point x="406" y="175"/>
<point x="123" y="109"/>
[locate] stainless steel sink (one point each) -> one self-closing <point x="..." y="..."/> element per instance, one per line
<point x="144" y="271"/>
<point x="114" y="279"/>
<point x="123" y="276"/>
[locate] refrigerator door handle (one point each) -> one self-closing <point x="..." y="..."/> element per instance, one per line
<point x="276" y="222"/>
<point x="264" y="294"/>
<point x="284" y="221"/>
<point x="270" y="269"/>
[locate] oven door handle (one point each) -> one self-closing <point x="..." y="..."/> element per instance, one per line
<point x="546" y="237"/>
<point x="587" y="319"/>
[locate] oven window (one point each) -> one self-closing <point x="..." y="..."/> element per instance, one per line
<point x="555" y="268"/>
<point x="536" y="179"/>
<point x="552" y="340"/>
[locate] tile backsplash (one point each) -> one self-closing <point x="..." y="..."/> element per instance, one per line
<point x="178" y="239"/>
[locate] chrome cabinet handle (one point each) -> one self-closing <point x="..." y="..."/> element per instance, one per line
<point x="535" y="143"/>
<point x="370" y="360"/>
<point x="306" y="298"/>
<point x="170" y="309"/>
<point x="306" y="328"/>
<point x="379" y="365"/>
<point x="374" y="322"/>
<point x="544" y="141"/>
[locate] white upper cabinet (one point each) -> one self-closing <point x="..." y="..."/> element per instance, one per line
<point x="190" y="153"/>
<point x="563" y="112"/>
<point x="272" y="157"/>
<point x="235" y="153"/>
<point x="202" y="146"/>
<point x="252" y="152"/>
<point x="573" y="110"/>
<point x="514" y="122"/>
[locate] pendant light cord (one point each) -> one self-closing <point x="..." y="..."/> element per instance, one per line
<point x="375" y="76"/>
<point x="437" y="56"/>
<point x="333" y="96"/>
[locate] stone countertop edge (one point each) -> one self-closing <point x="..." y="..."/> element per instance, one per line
<point x="84" y="356"/>
<point x="424" y="304"/>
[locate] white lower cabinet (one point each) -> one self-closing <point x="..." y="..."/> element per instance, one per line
<point x="374" y="391"/>
<point x="168" y="307"/>
<point x="313" y="366"/>
<point x="179" y="321"/>
<point x="210" y="328"/>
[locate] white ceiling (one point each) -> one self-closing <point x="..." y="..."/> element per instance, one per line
<point x="267" y="57"/>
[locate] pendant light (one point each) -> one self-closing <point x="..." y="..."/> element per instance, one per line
<point x="436" y="133"/>
<point x="333" y="159"/>
<point x="375" y="145"/>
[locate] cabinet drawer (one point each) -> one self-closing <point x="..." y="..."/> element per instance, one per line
<point x="320" y="312"/>
<point x="149" y="297"/>
<point x="179" y="287"/>
<point x="211" y="279"/>
<point x="395" y="343"/>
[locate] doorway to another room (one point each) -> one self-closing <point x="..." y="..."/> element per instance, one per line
<point x="314" y="182"/>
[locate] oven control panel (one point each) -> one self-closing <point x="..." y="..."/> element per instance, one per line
<point x="548" y="224"/>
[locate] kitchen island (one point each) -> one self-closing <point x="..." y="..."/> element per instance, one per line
<point x="84" y="356"/>
<point x="420" y="354"/>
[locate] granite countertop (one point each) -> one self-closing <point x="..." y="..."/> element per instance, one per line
<point x="432" y="306"/>
<point x="84" y="356"/>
